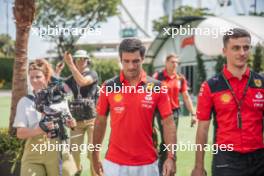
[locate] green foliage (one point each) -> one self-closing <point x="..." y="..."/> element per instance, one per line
<point x="220" y="61"/>
<point x="6" y="72"/>
<point x="179" y="12"/>
<point x="148" y="68"/>
<point x="7" y="46"/>
<point x="71" y="14"/>
<point x="11" y="146"/>
<point x="258" y="59"/>
<point x="106" y="69"/>
<point x="201" y="73"/>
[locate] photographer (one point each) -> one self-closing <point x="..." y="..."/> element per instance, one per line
<point x="83" y="84"/>
<point x="28" y="122"/>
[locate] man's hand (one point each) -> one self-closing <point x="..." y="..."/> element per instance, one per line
<point x="169" y="167"/>
<point x="71" y="122"/>
<point x="198" y="172"/>
<point x="68" y="58"/>
<point x="193" y="120"/>
<point x="97" y="165"/>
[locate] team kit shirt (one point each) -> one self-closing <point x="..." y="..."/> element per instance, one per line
<point x="175" y="83"/>
<point x="132" y="119"/>
<point x="243" y="129"/>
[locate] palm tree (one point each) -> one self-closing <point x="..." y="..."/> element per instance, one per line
<point x="24" y="12"/>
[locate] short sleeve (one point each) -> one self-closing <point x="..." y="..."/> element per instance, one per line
<point x="164" y="105"/>
<point x="205" y="103"/>
<point x="92" y="74"/>
<point x="21" y="116"/>
<point x="102" y="107"/>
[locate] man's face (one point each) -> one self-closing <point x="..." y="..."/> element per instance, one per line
<point x="132" y="64"/>
<point x="172" y="64"/>
<point x="80" y="63"/>
<point x="237" y="51"/>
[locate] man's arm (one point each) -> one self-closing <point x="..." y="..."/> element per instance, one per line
<point x="170" y="138"/>
<point x="24" y="133"/>
<point x="98" y="136"/>
<point x="201" y="140"/>
<point x="78" y="77"/>
<point x="188" y="103"/>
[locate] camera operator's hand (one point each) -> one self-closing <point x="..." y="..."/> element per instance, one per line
<point x="68" y="58"/>
<point x="71" y="122"/>
<point x="59" y="68"/>
<point x="46" y="126"/>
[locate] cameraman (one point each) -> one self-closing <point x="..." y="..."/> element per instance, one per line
<point x="83" y="84"/>
<point x="27" y="122"/>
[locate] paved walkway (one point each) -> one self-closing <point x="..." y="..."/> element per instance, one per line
<point x="4" y="93"/>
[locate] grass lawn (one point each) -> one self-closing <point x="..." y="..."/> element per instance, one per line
<point x="185" y="159"/>
<point x="5" y="103"/>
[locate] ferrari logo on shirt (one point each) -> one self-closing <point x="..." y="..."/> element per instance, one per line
<point x="225" y="98"/>
<point x="118" y="97"/>
<point x="258" y="82"/>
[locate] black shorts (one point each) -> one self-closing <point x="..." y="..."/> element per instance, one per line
<point x="238" y="164"/>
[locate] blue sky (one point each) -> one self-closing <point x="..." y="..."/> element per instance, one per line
<point x="110" y="29"/>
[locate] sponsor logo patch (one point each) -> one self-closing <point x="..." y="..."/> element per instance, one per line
<point x="258" y="82"/>
<point x="226" y="98"/>
<point x="118" y="97"/>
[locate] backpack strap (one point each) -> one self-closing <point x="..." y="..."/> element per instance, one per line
<point x="31" y="97"/>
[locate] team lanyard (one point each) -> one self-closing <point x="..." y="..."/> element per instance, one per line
<point x="238" y="102"/>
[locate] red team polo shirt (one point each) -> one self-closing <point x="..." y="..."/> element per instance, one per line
<point x="176" y="84"/>
<point x="214" y="94"/>
<point x="131" y="117"/>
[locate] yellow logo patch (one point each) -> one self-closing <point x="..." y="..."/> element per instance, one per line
<point x="118" y="97"/>
<point x="258" y="82"/>
<point x="225" y="98"/>
<point x="150" y="86"/>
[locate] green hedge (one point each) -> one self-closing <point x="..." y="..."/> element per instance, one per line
<point x="106" y="69"/>
<point x="6" y="71"/>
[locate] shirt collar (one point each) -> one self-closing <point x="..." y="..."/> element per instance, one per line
<point x="229" y="75"/>
<point x="143" y="77"/>
<point x="165" y="73"/>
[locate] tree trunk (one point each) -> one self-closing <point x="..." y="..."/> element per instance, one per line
<point x="24" y="11"/>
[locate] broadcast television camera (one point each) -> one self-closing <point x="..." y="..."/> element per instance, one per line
<point x="44" y="99"/>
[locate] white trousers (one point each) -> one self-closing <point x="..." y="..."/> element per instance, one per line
<point x="114" y="169"/>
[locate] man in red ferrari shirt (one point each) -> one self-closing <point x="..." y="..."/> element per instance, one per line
<point x="176" y="84"/>
<point x="236" y="99"/>
<point x="131" y="150"/>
